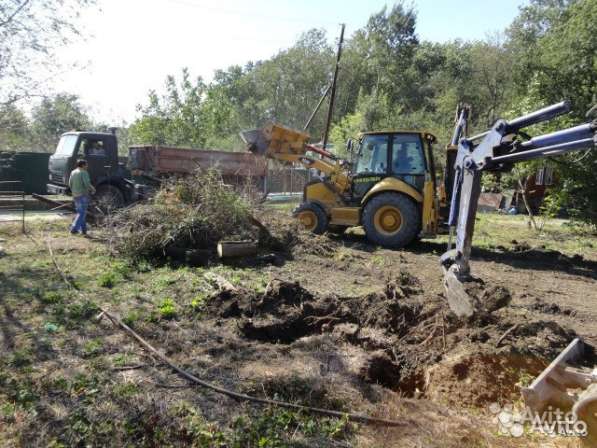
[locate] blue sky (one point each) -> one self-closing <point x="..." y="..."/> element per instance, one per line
<point x="134" y="44"/>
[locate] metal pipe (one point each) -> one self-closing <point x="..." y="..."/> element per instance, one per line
<point x="580" y="132"/>
<point x="478" y="136"/>
<point x="333" y="94"/>
<point x="461" y="128"/>
<point x="546" y="151"/>
<point x="538" y="116"/>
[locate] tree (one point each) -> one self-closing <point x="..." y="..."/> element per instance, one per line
<point x="14" y="128"/>
<point x="54" y="116"/>
<point x="30" y="32"/>
<point x="175" y="118"/>
<point x="562" y="36"/>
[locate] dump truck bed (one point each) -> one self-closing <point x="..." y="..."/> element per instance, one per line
<point x="163" y="161"/>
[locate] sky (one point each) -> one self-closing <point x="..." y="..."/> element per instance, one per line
<point x="132" y="45"/>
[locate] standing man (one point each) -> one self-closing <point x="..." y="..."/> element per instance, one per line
<point x="81" y="188"/>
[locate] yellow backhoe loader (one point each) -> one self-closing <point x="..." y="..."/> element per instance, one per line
<point x="389" y="189"/>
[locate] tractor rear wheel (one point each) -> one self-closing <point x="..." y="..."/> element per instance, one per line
<point x="391" y="220"/>
<point x="312" y="217"/>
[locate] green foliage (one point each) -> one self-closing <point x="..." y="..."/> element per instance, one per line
<point x="78" y="311"/>
<point x="93" y="347"/>
<point x="54" y="116"/>
<point x="107" y="279"/>
<point x="271" y="428"/>
<point x="175" y="118"/>
<point x="167" y="308"/>
<point x="51" y="297"/>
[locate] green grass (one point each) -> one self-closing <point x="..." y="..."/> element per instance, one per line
<point x="493" y="230"/>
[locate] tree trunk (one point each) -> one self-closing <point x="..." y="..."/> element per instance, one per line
<point x="523" y="191"/>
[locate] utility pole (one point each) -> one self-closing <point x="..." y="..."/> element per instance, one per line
<point x="333" y="93"/>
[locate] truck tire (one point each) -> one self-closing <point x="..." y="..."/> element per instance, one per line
<point x="312" y="217"/>
<point x="391" y="220"/>
<point x="108" y="197"/>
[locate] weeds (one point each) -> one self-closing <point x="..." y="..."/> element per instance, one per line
<point x="167" y="309"/>
<point x="51" y="298"/>
<point x="92" y="348"/>
<point x="107" y="279"/>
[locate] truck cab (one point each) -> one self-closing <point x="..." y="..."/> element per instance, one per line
<point x="100" y="149"/>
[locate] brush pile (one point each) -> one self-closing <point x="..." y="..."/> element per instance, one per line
<point x="194" y="212"/>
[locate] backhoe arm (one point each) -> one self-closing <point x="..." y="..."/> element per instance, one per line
<point x="497" y="150"/>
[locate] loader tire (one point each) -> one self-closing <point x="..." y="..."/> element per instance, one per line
<point x="391" y="220"/>
<point x="312" y="217"/>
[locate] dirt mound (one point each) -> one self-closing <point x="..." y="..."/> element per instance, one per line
<point x="550" y="308"/>
<point x="489" y="364"/>
<point x="408" y="343"/>
<point x="479" y="379"/>
<point x="287" y="312"/>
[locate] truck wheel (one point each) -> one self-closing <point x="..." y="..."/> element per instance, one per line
<point x="108" y="197"/>
<point x="312" y="217"/>
<point x="391" y="220"/>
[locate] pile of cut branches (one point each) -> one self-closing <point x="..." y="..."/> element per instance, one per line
<point x="194" y="212"/>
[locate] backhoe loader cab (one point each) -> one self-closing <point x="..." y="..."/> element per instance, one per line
<point x="392" y="185"/>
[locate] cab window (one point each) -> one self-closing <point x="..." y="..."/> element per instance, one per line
<point x="407" y="154"/>
<point x="93" y="147"/>
<point x="373" y="155"/>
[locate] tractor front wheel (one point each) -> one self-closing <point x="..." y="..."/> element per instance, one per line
<point x="312" y="217"/>
<point x="391" y="220"/>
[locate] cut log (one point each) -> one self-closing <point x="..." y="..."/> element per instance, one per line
<point x="228" y="249"/>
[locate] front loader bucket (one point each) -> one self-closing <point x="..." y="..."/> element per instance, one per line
<point x="275" y="139"/>
<point x="255" y="141"/>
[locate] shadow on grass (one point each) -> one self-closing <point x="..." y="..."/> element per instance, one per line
<point x="11" y="324"/>
<point x="536" y="259"/>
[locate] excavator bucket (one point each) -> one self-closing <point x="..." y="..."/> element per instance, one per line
<point x="459" y="300"/>
<point x="274" y="139"/>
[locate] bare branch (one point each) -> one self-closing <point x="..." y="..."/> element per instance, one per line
<point x="14" y="14"/>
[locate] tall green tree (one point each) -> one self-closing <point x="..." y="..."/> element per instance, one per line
<point x="175" y="118"/>
<point x="54" y="116"/>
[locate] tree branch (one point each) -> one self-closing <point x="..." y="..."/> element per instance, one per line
<point x="14" y="14"/>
